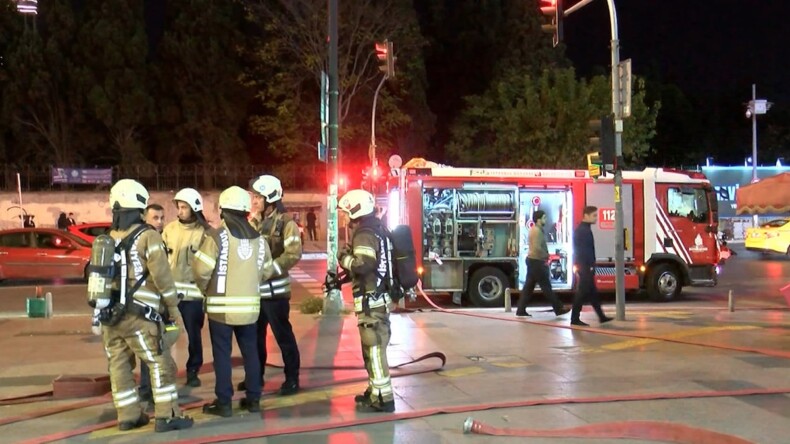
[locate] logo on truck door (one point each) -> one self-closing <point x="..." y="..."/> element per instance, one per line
<point x="698" y="247"/>
<point x="606" y="218"/>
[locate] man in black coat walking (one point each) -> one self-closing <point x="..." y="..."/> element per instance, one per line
<point x="584" y="260"/>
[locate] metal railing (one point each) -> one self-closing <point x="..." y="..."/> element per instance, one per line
<point x="171" y="177"/>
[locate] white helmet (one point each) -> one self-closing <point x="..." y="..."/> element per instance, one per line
<point x="191" y="197"/>
<point x="357" y="203"/>
<point x="128" y="193"/>
<point x="235" y="198"/>
<point x="269" y="187"/>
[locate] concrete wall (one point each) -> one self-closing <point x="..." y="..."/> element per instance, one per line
<point x="95" y="207"/>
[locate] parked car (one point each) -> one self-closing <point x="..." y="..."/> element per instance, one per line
<point x="89" y="231"/>
<point x="42" y="253"/>
<point x="770" y="237"/>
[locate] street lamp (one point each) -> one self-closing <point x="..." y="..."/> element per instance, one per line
<point x="754" y="108"/>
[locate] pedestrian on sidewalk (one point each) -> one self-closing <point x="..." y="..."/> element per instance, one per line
<point x="231" y="262"/>
<point x="538" y="268"/>
<point x="584" y="261"/>
<point x="366" y="261"/>
<point x="311" y="219"/>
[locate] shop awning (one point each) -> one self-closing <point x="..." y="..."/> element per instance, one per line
<point x="768" y="196"/>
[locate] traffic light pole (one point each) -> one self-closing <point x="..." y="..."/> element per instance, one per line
<point x="617" y="110"/>
<point x="333" y="303"/>
<point x="372" y="150"/>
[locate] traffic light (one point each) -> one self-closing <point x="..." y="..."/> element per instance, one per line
<point x="386" y="56"/>
<point x="595" y="165"/>
<point x="552" y="13"/>
<point x="602" y="142"/>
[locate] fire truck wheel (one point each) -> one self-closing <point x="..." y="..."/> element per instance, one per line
<point x="487" y="287"/>
<point x="665" y="283"/>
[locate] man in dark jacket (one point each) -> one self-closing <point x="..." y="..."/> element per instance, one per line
<point x="584" y="260"/>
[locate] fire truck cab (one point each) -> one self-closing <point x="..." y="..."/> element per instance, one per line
<point x="470" y="228"/>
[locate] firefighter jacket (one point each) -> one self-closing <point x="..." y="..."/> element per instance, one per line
<point x="228" y="271"/>
<point x="157" y="289"/>
<point x="182" y="241"/>
<point x="367" y="263"/>
<point x="285" y="242"/>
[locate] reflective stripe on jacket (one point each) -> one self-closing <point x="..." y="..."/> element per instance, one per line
<point x="158" y="290"/>
<point x="182" y="241"/>
<point x="285" y="241"/>
<point x="229" y="269"/>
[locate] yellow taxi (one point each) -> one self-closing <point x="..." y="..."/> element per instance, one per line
<point x="771" y="237"/>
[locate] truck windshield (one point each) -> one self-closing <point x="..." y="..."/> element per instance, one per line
<point x="691" y="203"/>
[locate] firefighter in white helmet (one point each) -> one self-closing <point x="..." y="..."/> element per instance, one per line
<point x="282" y="234"/>
<point x="182" y="238"/>
<point x="231" y="262"/>
<point x="143" y="298"/>
<point x="366" y="261"/>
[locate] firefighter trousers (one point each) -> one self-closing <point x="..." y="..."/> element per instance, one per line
<point x="276" y="313"/>
<point x="222" y="346"/>
<point x="194" y="319"/>
<point x="374" y="333"/>
<point x="136" y="336"/>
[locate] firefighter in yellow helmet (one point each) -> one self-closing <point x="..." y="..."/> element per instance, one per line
<point x="133" y="320"/>
<point x="231" y="262"/>
<point x="366" y="261"/>
<point x="282" y="235"/>
<point x="182" y="238"/>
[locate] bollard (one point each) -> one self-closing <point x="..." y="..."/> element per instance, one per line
<point x="48" y="301"/>
<point x="507" y="301"/>
<point x="730" y="302"/>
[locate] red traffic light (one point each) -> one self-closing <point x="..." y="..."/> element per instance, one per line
<point x="384" y="53"/>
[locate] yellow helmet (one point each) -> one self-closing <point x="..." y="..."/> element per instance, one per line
<point x="269" y="187"/>
<point x="191" y="197"/>
<point x="235" y="198"/>
<point x="128" y="193"/>
<point x="357" y="203"/>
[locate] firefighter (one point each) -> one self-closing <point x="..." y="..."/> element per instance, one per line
<point x="366" y="261"/>
<point x="229" y="265"/>
<point x="143" y="298"/>
<point x="282" y="235"/>
<point x="182" y="238"/>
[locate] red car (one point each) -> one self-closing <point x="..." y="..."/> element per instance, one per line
<point x="89" y="231"/>
<point x="42" y="253"/>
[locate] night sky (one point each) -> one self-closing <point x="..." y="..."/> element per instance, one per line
<point x="708" y="46"/>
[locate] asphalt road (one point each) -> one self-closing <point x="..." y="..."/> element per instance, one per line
<point x="754" y="280"/>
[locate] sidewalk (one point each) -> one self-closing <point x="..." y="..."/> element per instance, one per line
<point x="492" y="358"/>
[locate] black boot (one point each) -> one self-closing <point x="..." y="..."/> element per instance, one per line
<point x="174" y="423"/>
<point x="363" y="397"/>
<point x="289" y="387"/>
<point x="219" y="409"/>
<point x="192" y="379"/>
<point x="379" y="406"/>
<point x="251" y="405"/>
<point x="129" y="425"/>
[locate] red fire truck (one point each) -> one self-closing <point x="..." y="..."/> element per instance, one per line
<point x="470" y="228"/>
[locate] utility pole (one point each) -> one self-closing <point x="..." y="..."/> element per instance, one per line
<point x="620" y="100"/>
<point x="617" y="110"/>
<point x="333" y="303"/>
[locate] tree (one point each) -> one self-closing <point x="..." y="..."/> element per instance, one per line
<point x="10" y="32"/>
<point x="112" y="74"/>
<point x="46" y="113"/>
<point x="292" y="52"/>
<point x="473" y="44"/>
<point x="201" y="104"/>
<point x="542" y="122"/>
